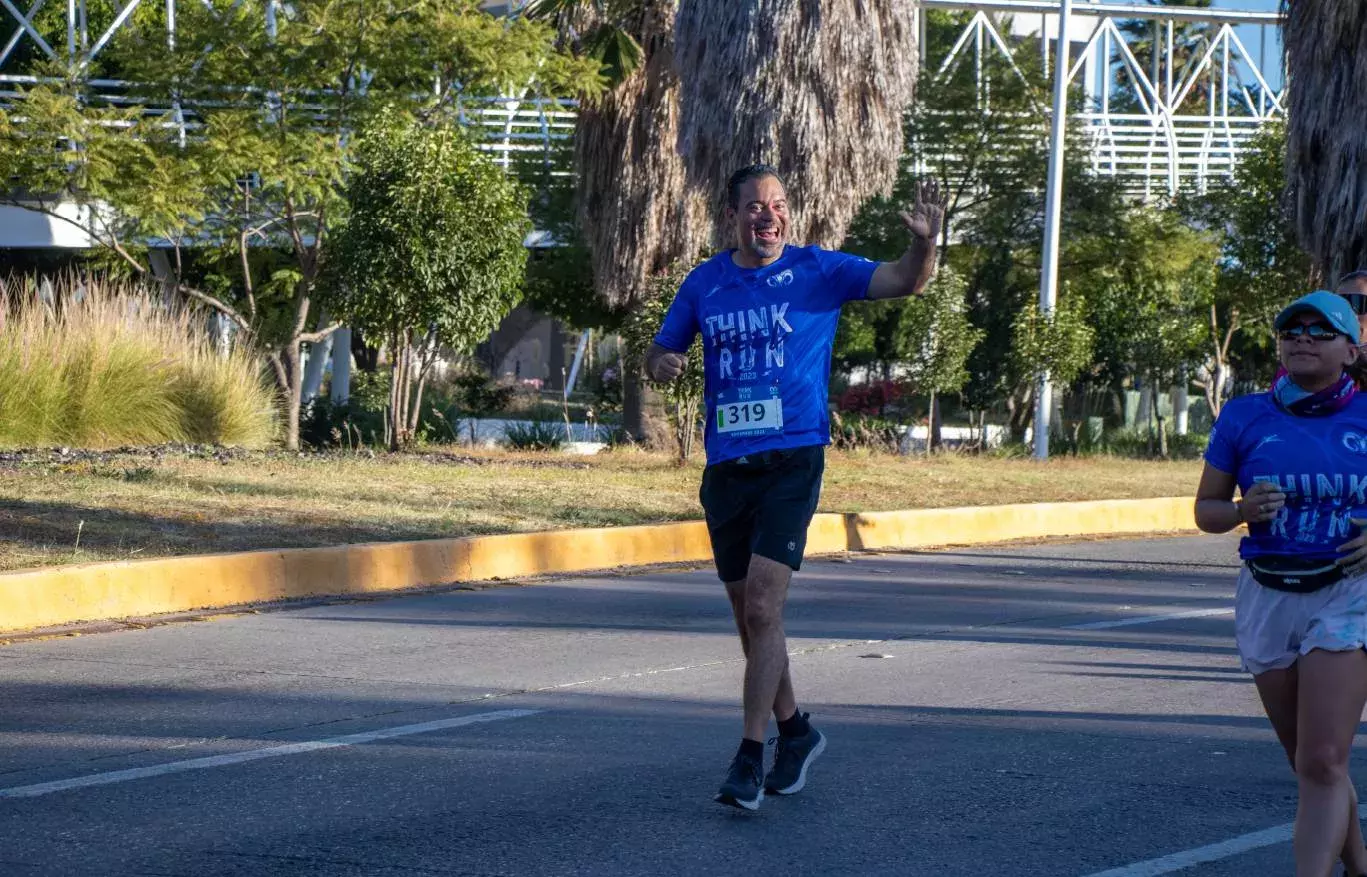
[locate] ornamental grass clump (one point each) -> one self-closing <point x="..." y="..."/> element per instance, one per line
<point x="95" y="362"/>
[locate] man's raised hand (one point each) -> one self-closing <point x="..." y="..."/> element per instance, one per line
<point x="927" y="215"/>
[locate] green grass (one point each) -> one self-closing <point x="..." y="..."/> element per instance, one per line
<point x="156" y="504"/>
<point x="113" y="367"/>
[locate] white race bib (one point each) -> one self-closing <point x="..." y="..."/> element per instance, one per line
<point x="742" y="410"/>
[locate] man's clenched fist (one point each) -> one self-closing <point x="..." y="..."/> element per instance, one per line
<point x="668" y="366"/>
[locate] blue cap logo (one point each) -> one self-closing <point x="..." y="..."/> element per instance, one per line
<point x="1333" y="308"/>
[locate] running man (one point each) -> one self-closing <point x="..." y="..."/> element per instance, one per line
<point x="768" y="311"/>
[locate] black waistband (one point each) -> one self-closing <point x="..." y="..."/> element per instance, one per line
<point x="1295" y="576"/>
<point x="769" y="458"/>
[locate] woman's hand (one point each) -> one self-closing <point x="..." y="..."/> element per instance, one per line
<point x="1355" y="550"/>
<point x="1262" y="503"/>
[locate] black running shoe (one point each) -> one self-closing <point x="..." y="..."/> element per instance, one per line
<point x="743" y="784"/>
<point x="792" y="757"/>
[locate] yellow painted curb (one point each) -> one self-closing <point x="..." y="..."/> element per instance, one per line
<point x="104" y="591"/>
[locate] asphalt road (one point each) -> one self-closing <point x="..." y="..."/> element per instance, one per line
<point x="1060" y="709"/>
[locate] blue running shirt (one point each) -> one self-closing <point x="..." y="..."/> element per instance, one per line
<point x="1320" y="463"/>
<point x="767" y="338"/>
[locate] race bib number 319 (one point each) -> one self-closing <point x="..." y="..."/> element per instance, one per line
<point x="750" y="416"/>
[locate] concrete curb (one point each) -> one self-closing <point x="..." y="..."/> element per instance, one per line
<point x="103" y="591"/>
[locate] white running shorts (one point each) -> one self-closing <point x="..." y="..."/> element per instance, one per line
<point x="1274" y="628"/>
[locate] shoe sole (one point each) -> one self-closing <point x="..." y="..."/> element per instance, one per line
<point x="733" y="801"/>
<point x="802" y="775"/>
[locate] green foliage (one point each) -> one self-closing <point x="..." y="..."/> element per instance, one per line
<point x="989" y="148"/>
<point x="608" y="41"/>
<point x="683" y="395"/>
<point x="1261" y="264"/>
<point x="559" y="284"/>
<point x="1060" y="343"/>
<point x="476" y="395"/>
<point x="936" y="337"/>
<point x="271" y="117"/>
<point x="538" y="435"/>
<point x="106" y="364"/>
<point x="431" y="255"/>
<point x="1149" y="295"/>
<point x="434" y="241"/>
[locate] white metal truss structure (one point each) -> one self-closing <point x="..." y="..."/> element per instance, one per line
<point x="1186" y="116"/>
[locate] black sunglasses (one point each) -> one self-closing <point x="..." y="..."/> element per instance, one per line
<point x="1357" y="301"/>
<point x="1316" y="331"/>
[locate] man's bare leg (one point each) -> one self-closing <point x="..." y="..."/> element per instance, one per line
<point x="766" y="659"/>
<point x="785" y="702"/>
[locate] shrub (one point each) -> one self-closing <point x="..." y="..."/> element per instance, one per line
<point x="93" y="362"/>
<point x="539" y="435"/>
<point x="873" y="399"/>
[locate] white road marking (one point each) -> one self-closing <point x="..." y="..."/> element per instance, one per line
<point x="1201" y="855"/>
<point x="1150" y="619"/>
<point x="123" y="776"/>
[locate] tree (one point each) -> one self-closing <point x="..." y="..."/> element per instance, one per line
<point x="1060" y="343"/>
<point x="1261" y="267"/>
<point x="1326" y="149"/>
<point x="673" y="70"/>
<point x="637" y="213"/>
<point x="937" y="338"/>
<point x="683" y="396"/>
<point x="776" y="81"/>
<point x="983" y="131"/>
<point x="1150" y="298"/>
<point x="431" y="255"/>
<point x="251" y="157"/>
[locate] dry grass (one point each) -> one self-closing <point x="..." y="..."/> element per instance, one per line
<point x="102" y="363"/>
<point x="144" y="505"/>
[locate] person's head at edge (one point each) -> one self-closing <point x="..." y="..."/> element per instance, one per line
<point x="1318" y="337"/>
<point x="757" y="212"/>
<point x="1353" y="287"/>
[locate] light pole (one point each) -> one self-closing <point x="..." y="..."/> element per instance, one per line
<point x="1053" y="202"/>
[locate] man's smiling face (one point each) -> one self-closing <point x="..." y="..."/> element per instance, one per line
<point x="761" y="221"/>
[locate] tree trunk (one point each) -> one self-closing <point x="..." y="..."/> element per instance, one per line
<point x="426" y="360"/>
<point x="294" y="376"/>
<point x="1162" y="426"/>
<point x="633" y="405"/>
<point x="398" y="390"/>
<point x="933" y="424"/>
<point x="555" y="358"/>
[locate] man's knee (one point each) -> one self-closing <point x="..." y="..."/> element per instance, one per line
<point x="763" y="616"/>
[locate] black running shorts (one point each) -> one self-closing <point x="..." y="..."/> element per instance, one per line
<point x="761" y="504"/>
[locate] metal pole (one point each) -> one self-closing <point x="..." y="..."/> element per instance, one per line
<point x="1053" y="203"/>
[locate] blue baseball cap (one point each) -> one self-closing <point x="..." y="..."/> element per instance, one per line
<point x="1334" y="308"/>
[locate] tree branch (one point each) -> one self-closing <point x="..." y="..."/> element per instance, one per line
<point x="248" y="286"/>
<point x="217" y="304"/>
<point x="320" y="336"/>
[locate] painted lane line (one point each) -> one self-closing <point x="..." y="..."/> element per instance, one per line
<point x="1150" y="619"/>
<point x="1201" y="855"/>
<point x="138" y="773"/>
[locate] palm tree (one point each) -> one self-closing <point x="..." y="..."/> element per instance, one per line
<point x="1326" y="161"/>
<point x="635" y="209"/>
<point x="820" y="94"/>
<point x="700" y="87"/>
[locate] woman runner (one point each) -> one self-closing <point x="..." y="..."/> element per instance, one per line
<point x="1298" y="455"/>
